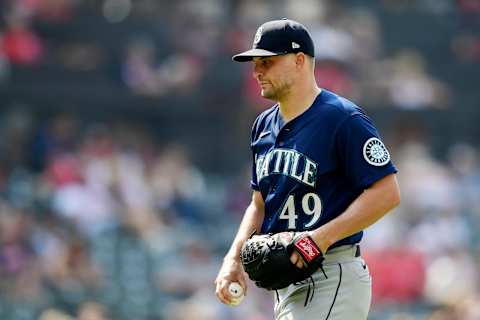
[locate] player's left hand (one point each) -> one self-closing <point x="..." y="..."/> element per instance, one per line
<point x="297" y="260"/>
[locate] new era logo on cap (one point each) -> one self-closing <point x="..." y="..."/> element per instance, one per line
<point x="278" y="37"/>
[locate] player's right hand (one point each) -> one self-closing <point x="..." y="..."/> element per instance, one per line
<point x="231" y="271"/>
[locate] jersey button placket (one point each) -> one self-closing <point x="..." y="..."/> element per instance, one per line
<point x="279" y="142"/>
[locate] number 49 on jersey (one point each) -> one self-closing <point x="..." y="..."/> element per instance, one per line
<point x="311" y="206"/>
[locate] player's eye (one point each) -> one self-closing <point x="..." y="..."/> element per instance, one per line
<point x="265" y="63"/>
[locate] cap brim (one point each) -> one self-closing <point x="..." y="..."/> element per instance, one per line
<point x="250" y="54"/>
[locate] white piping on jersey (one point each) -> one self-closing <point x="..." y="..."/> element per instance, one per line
<point x="263" y="134"/>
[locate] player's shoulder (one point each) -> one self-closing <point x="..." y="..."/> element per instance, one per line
<point x="338" y="106"/>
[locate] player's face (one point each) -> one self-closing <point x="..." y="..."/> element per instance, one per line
<point x="274" y="75"/>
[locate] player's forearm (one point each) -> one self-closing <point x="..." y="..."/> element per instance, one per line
<point x="369" y="207"/>
<point x="252" y="220"/>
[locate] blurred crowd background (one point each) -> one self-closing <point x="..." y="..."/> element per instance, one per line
<point x="124" y="151"/>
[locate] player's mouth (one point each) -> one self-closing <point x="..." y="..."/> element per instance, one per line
<point x="263" y="83"/>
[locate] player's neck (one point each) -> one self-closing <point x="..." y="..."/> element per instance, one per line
<point x="297" y="102"/>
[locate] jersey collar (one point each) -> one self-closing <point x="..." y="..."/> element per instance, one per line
<point x="299" y="120"/>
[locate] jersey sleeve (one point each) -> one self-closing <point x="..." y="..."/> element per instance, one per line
<point x="361" y="152"/>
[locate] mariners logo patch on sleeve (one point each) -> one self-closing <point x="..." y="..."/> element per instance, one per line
<point x="375" y="153"/>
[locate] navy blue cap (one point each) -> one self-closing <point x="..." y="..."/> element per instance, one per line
<point x="278" y="37"/>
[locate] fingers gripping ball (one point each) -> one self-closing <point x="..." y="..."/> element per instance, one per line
<point x="236" y="292"/>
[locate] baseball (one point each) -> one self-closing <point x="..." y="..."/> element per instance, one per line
<point x="236" y="291"/>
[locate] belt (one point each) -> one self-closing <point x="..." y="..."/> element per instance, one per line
<point x="342" y="253"/>
<point x="344" y="248"/>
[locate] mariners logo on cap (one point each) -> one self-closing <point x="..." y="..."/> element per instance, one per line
<point x="258" y="35"/>
<point x="375" y="153"/>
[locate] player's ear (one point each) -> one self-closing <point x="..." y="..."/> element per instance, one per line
<point x="300" y="60"/>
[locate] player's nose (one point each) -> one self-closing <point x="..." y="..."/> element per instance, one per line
<point x="257" y="73"/>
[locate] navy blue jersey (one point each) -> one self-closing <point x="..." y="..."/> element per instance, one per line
<point x="312" y="168"/>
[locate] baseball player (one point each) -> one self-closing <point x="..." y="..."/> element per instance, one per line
<point x="319" y="166"/>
